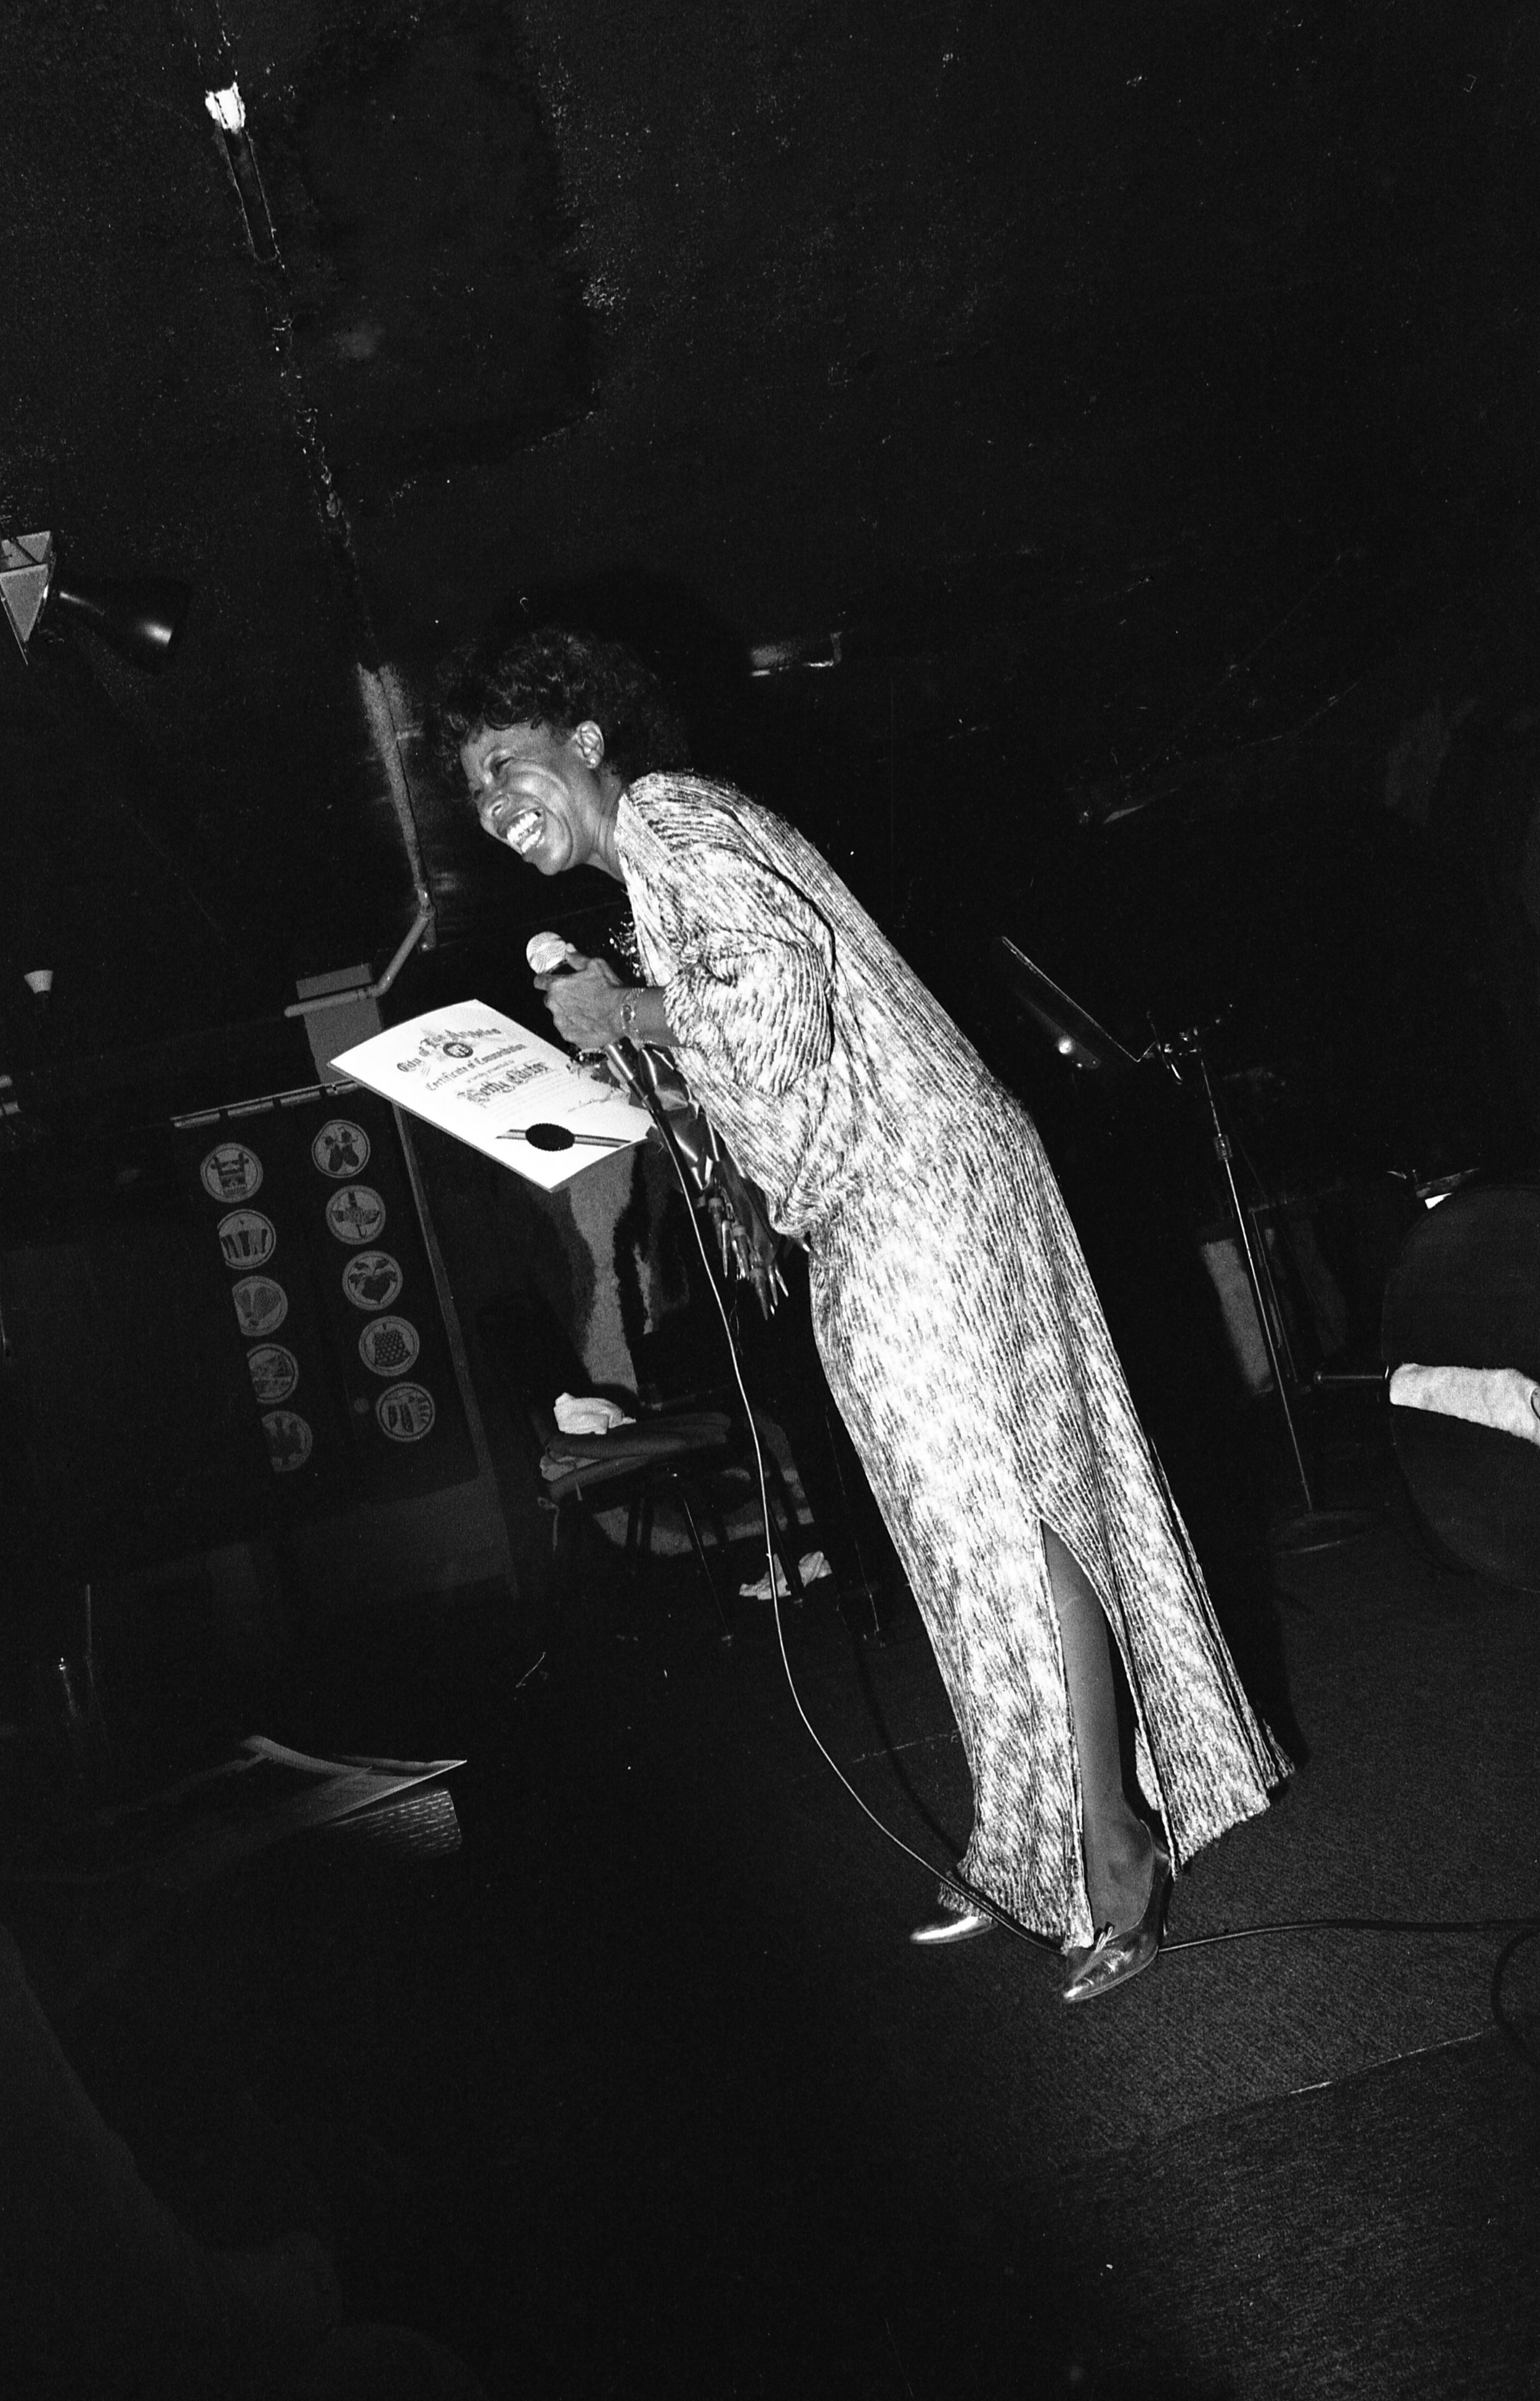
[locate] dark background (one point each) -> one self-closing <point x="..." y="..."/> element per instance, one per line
<point x="1115" y="426"/>
<point x="1115" y="430"/>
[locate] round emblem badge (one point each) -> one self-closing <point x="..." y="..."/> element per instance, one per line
<point x="389" y="1345"/>
<point x="290" y="1441"/>
<point x="274" y="1372"/>
<point x="371" y="1280"/>
<point x="341" y="1147"/>
<point x="247" y="1239"/>
<point x="406" y="1412"/>
<point x="356" y="1214"/>
<point x="231" y="1172"/>
<point x="261" y="1305"/>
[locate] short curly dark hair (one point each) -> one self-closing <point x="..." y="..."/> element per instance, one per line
<point x="554" y="676"/>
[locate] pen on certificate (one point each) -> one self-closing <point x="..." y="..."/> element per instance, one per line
<point x="554" y="1137"/>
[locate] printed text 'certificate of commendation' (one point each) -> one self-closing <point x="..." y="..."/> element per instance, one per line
<point x="479" y="1075"/>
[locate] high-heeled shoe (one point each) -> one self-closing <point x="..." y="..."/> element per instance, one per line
<point x="953" y="1925"/>
<point x="1112" y="1958"/>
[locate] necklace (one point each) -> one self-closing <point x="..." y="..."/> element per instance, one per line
<point x="624" y="943"/>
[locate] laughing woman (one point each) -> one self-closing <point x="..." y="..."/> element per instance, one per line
<point x="954" y="1314"/>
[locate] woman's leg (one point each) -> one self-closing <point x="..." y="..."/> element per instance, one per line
<point x="1119" y="1849"/>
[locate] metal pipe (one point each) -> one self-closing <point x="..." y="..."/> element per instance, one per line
<point x="383" y="707"/>
<point x="292" y="1099"/>
<point x="381" y="697"/>
<point x="413" y="934"/>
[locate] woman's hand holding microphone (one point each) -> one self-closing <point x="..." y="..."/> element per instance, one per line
<point x="590" y="1005"/>
<point x="583" y="995"/>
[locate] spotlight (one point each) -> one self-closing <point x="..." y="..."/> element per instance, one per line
<point x="138" y="616"/>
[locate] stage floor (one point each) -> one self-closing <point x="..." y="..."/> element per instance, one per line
<point x="644" y="2088"/>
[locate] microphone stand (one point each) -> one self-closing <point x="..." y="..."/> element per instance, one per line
<point x="1092" y="1050"/>
<point x="1314" y="1527"/>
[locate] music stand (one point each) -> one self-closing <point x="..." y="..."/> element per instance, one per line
<point x="1073" y="1032"/>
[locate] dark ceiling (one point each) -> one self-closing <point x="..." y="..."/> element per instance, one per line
<point x="1134" y="381"/>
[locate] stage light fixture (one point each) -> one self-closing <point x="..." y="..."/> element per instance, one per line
<point x="138" y="616"/>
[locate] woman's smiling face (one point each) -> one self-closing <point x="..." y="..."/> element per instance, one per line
<point x="547" y="794"/>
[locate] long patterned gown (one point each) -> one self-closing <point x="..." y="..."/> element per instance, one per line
<point x="958" y="1329"/>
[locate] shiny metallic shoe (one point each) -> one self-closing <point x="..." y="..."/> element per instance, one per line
<point x="1112" y="1958"/>
<point x="953" y="1925"/>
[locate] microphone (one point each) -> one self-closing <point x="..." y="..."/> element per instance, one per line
<point x="546" y="953"/>
<point x="549" y="953"/>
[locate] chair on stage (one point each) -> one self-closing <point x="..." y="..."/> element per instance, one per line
<point x="694" y="1458"/>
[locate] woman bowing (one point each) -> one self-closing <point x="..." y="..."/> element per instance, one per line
<point x="953" y="1311"/>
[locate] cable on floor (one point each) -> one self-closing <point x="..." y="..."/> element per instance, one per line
<point x="1520" y="1929"/>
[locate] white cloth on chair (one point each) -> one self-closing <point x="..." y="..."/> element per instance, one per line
<point x="588" y="1416"/>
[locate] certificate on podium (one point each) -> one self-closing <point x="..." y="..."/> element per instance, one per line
<point x="501" y="1089"/>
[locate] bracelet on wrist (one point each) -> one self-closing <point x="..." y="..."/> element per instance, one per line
<point x="628" y="1014"/>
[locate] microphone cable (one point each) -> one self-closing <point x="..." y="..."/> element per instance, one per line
<point x="949" y="1875"/>
<point x="1521" y="1930"/>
